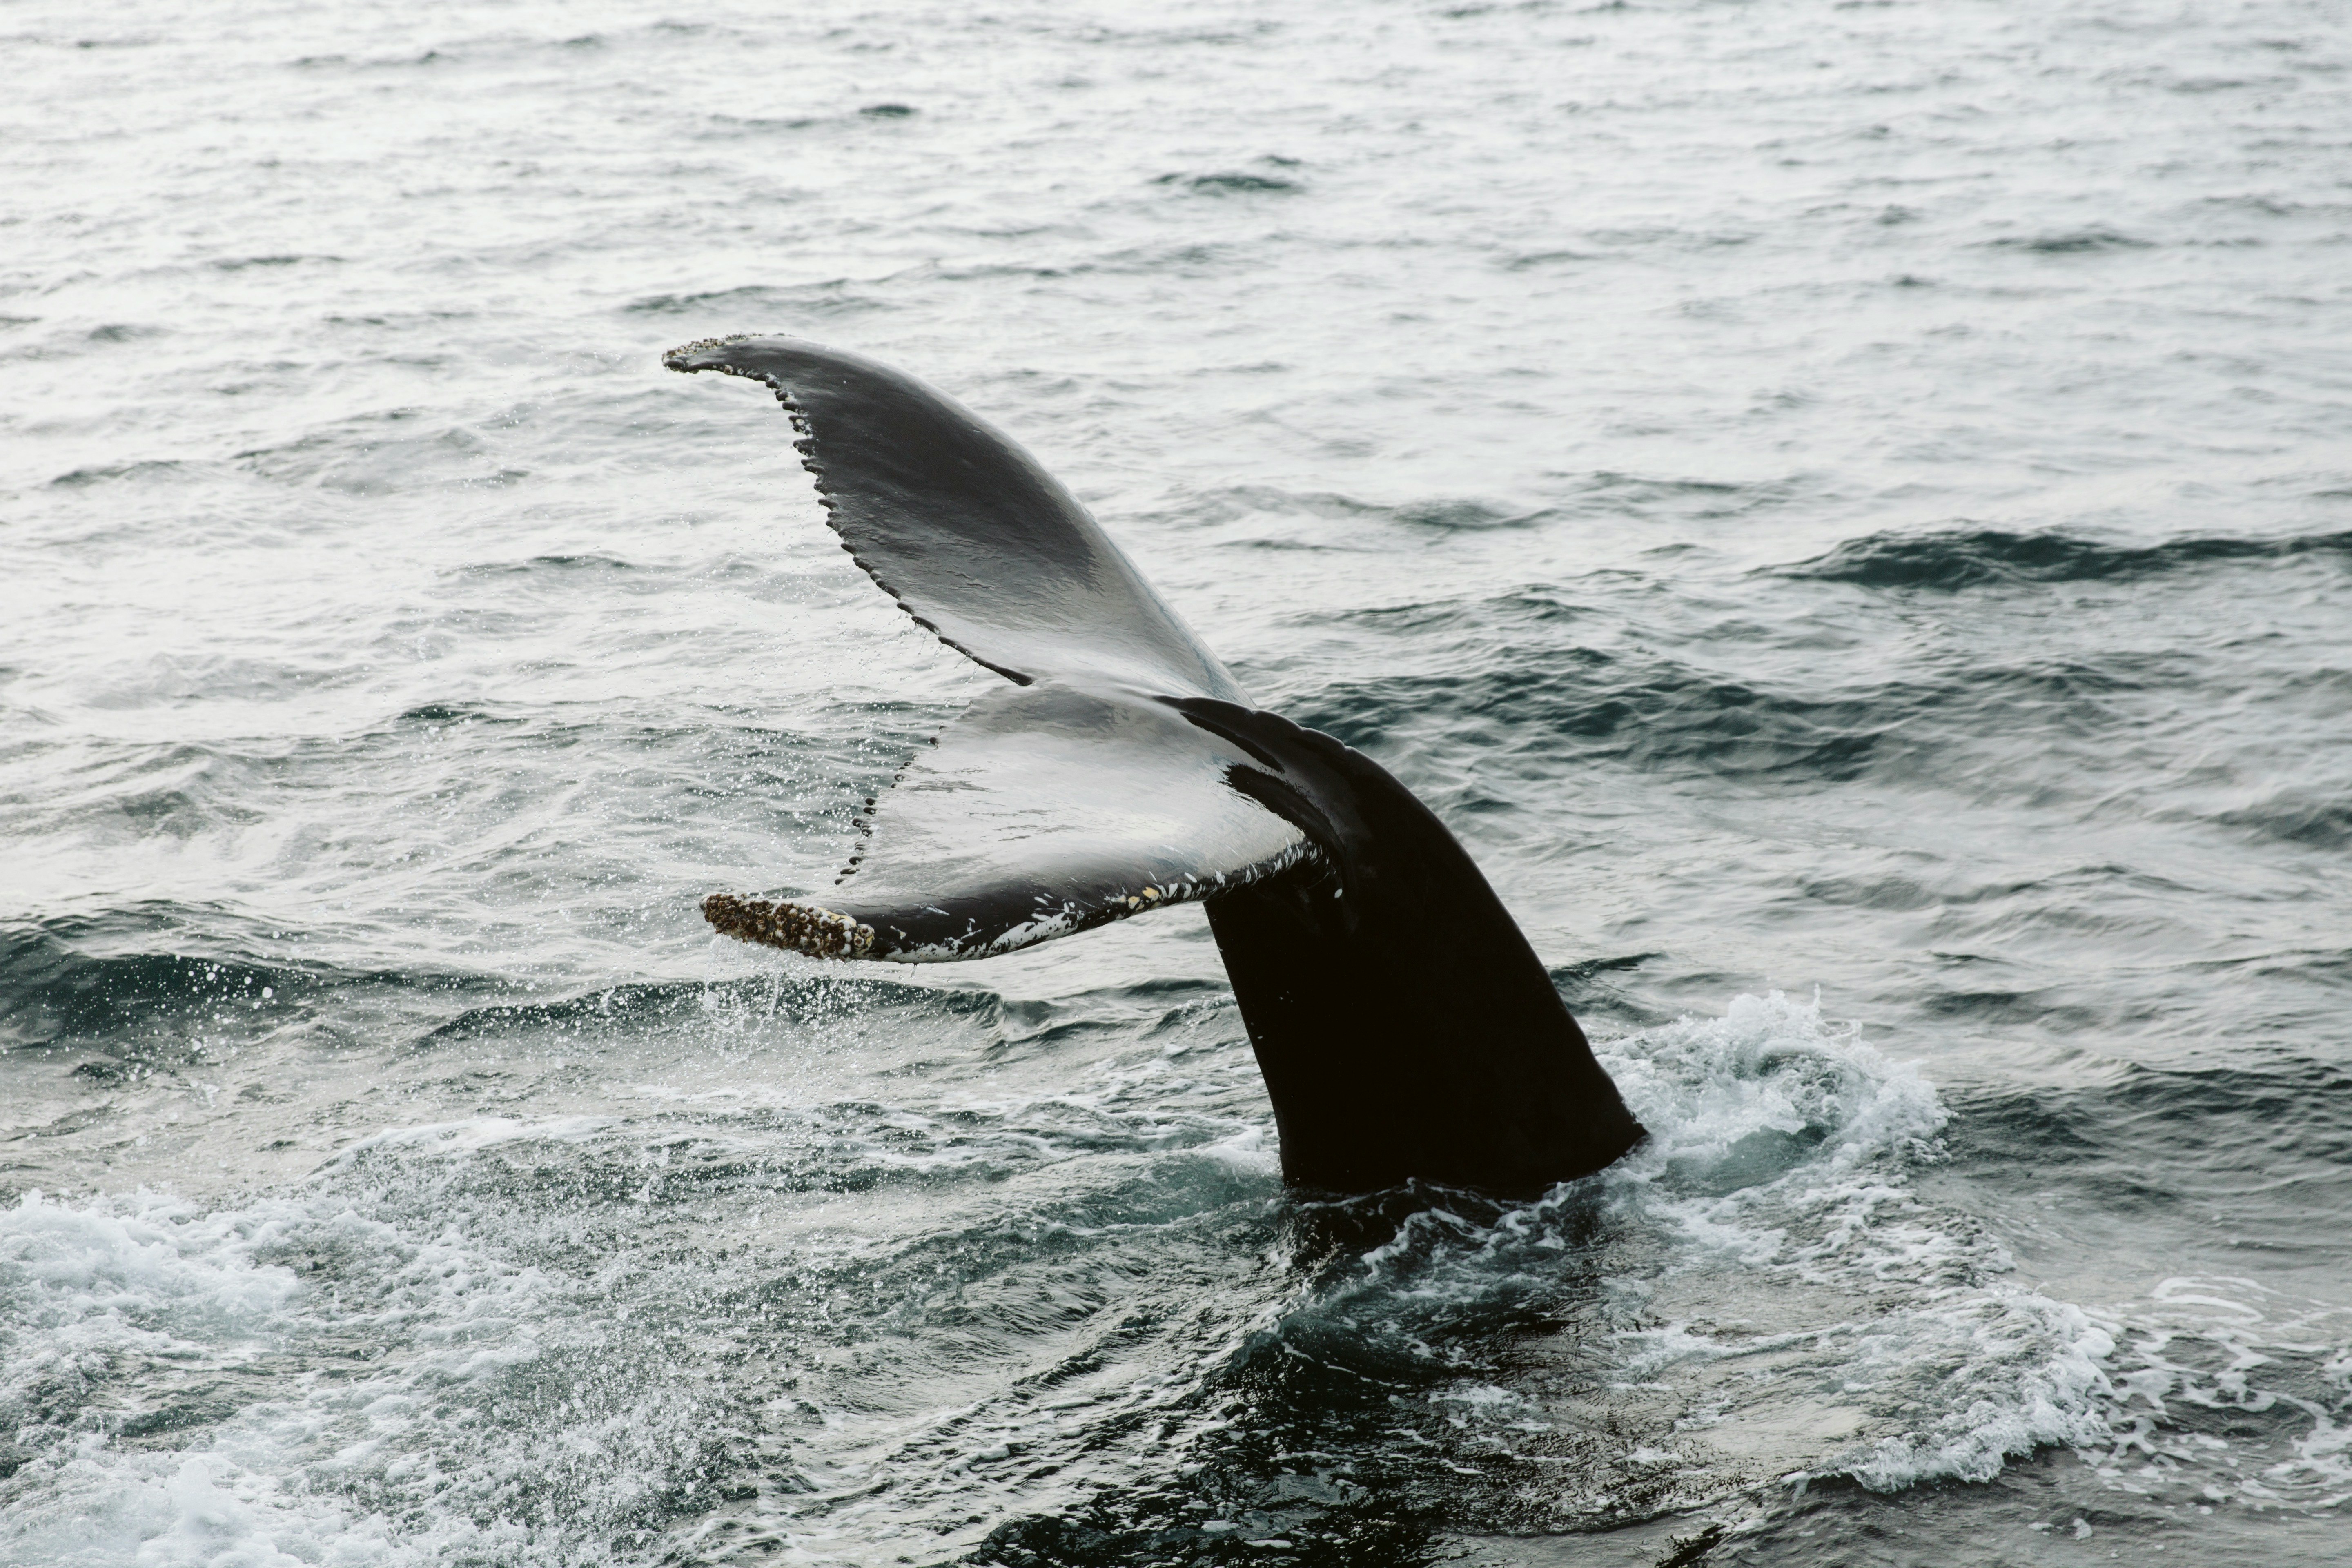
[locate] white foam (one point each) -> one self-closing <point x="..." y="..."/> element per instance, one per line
<point x="475" y="1132"/>
<point x="1703" y="1087"/>
<point x="1781" y="1150"/>
<point x="2029" y="1370"/>
<point x="164" y="1259"/>
<point x="436" y="1344"/>
<point x="1802" y="1310"/>
<point x="2278" y="1366"/>
<point x="100" y="1290"/>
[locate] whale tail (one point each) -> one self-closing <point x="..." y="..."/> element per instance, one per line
<point x="1404" y="1027"/>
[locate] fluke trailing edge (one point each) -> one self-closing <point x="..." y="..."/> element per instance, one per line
<point x="1404" y="1024"/>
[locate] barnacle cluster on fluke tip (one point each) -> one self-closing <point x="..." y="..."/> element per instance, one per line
<point x="796" y="928"/>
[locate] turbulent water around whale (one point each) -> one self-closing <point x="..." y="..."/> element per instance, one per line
<point x="1845" y="510"/>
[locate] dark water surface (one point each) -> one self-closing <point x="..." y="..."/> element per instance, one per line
<point x="1847" y="510"/>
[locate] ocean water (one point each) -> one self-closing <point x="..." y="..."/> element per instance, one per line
<point x="1845" y="509"/>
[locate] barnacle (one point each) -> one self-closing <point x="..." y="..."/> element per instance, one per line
<point x="797" y="928"/>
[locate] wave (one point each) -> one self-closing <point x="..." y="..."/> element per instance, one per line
<point x="1591" y="995"/>
<point x="94" y="979"/>
<point x="568" y="1337"/>
<point x="1653" y="714"/>
<point x="2218" y="1387"/>
<point x="2297" y="816"/>
<point x="180" y="1426"/>
<point x="1099" y="1277"/>
<point x="1441" y="514"/>
<point x="1227" y="182"/>
<point x="800" y="999"/>
<point x="1975" y="557"/>
<point x="1782" y="1148"/>
<point x="2166" y="1137"/>
<point x="2071" y="242"/>
<point x="1564" y="1365"/>
<point x="144" y="469"/>
<point x="136" y="981"/>
<point x="1599" y="493"/>
<point x="831" y="298"/>
<point x="1664" y="715"/>
<point x="1543" y="672"/>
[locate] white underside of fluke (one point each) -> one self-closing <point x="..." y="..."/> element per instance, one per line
<point x="1042" y="810"/>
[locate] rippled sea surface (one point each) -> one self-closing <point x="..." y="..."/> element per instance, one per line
<point x="1845" y="509"/>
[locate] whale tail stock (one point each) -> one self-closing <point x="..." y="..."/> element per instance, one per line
<point x="1404" y="1027"/>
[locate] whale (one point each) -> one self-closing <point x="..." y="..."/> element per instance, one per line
<point x="1404" y="1027"/>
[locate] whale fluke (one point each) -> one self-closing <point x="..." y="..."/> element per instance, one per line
<point x="1041" y="810"/>
<point x="977" y="541"/>
<point x="1404" y="1027"/>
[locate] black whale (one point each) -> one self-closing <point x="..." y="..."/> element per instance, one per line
<point x="1404" y="1027"/>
